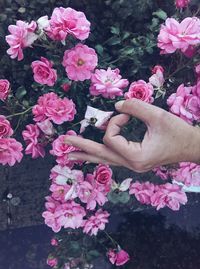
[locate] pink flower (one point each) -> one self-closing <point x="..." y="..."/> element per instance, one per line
<point x="61" y="149"/>
<point x="142" y="191"/>
<point x="197" y="70"/>
<point x="188" y="173"/>
<point x="108" y="83"/>
<point x="190" y="51"/>
<point x="157" y="68"/>
<point x="174" y="35"/>
<point x="66" y="87"/>
<point x="118" y="257"/>
<point x="140" y="90"/>
<point x="43" y="72"/>
<point x="46" y="127"/>
<point x="95" y="117"/>
<point x="103" y="177"/>
<point x="185" y="103"/>
<point x="167" y="37"/>
<point x="181" y="3"/>
<point x="169" y="195"/>
<point x="52" y="262"/>
<point x="65" y="21"/>
<point x="33" y="138"/>
<point x="10" y="151"/>
<point x="70" y="215"/>
<point x="80" y="62"/>
<point x="49" y="215"/>
<point x="162" y="172"/>
<point x="5" y="127"/>
<point x="54" y="108"/>
<point x="4" y="89"/>
<point x="59" y="191"/>
<point x="96" y="222"/>
<point x="54" y="242"/>
<point x="91" y="193"/>
<point x="157" y="79"/>
<point x="68" y="179"/>
<point x="22" y="36"/>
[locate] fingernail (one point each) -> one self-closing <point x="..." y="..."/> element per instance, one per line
<point x="119" y="105"/>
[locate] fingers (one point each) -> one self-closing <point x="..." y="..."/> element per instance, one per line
<point x="129" y="150"/>
<point x="139" y="109"/>
<point x="97" y="150"/>
<point x="82" y="156"/>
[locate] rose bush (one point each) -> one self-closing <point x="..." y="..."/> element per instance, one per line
<point x="73" y="94"/>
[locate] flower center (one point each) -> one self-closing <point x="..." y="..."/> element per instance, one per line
<point x="80" y="62"/>
<point x="69" y="181"/>
<point x="93" y="121"/>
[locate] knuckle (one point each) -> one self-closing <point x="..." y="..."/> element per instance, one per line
<point x="106" y="139"/>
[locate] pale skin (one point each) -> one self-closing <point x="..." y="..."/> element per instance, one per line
<point x="168" y="140"/>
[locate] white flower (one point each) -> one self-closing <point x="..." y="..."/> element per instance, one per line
<point x="95" y="117"/>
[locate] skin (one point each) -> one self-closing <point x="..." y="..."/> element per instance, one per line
<point x="168" y="140"/>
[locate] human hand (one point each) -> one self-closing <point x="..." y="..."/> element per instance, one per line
<point x="168" y="140"/>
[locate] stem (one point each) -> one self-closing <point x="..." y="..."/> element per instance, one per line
<point x="20" y="113"/>
<point x="111" y="239"/>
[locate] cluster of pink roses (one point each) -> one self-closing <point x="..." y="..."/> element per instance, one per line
<point x="187" y="173"/>
<point x="159" y="196"/>
<point x="67" y="185"/>
<point x="10" y="149"/>
<point x="182" y="36"/>
<point x="51" y="106"/>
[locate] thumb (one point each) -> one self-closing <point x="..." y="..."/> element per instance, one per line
<point x="139" y="109"/>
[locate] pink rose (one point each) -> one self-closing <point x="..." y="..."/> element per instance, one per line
<point x="174" y="35"/>
<point x="21" y="36"/>
<point x="4" y="89"/>
<point x="96" y="222"/>
<point x="181" y="3"/>
<point x="34" y="140"/>
<point x="61" y="150"/>
<point x="51" y="106"/>
<point x="108" y="83"/>
<point x="67" y="21"/>
<point x="52" y="261"/>
<point x="46" y="127"/>
<point x="54" y="242"/>
<point x="142" y="191"/>
<point x="118" y="257"/>
<point x="5" y="128"/>
<point x="190" y="51"/>
<point x="140" y="90"/>
<point x="157" y="68"/>
<point x="66" y="87"/>
<point x="169" y="195"/>
<point x="43" y="72"/>
<point x="103" y="176"/>
<point x="10" y="151"/>
<point x="80" y="62"/>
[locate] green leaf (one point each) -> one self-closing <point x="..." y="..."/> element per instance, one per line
<point x="120" y="197"/>
<point x="124" y="197"/>
<point x="114" y="30"/>
<point x="161" y="14"/>
<point x="114" y="41"/>
<point x="99" y="49"/>
<point x="21" y="92"/>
